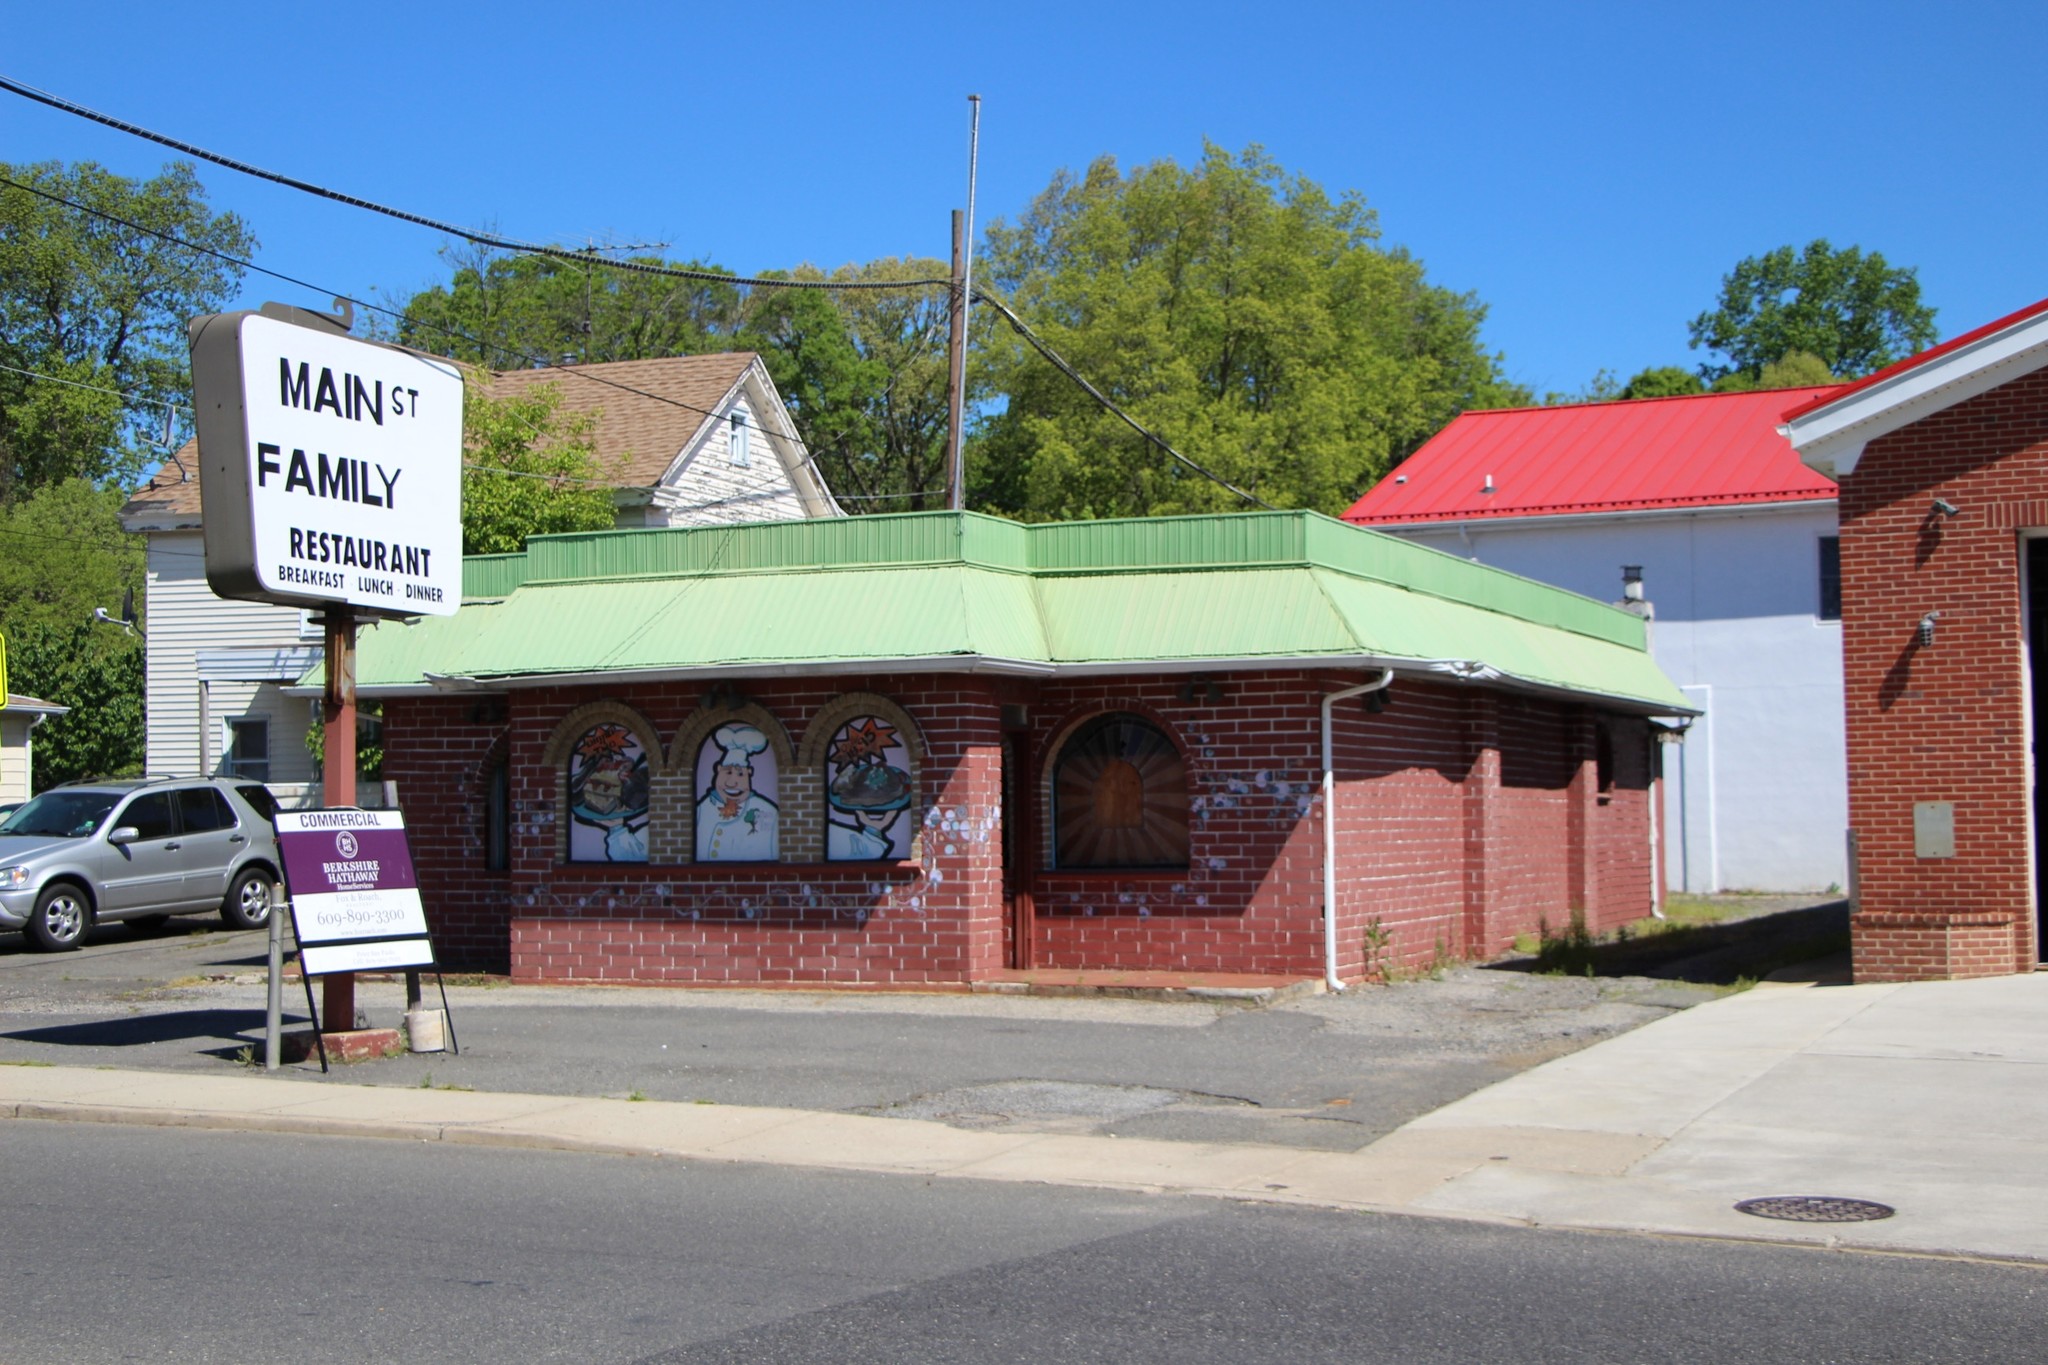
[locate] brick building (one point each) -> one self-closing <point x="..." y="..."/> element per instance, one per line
<point x="1733" y="540"/>
<point x="1942" y="461"/>
<point x="925" y="749"/>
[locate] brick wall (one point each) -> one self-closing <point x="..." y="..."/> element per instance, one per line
<point x="1946" y="721"/>
<point x="1464" y="818"/>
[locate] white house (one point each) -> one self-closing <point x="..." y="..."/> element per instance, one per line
<point x="18" y="720"/>
<point x="694" y="440"/>
<point x="1736" y="544"/>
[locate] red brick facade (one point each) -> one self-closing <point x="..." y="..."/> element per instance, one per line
<point x="1464" y="817"/>
<point x="1944" y="721"/>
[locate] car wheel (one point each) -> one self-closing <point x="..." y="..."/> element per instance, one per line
<point x="248" y="903"/>
<point x="61" y="917"/>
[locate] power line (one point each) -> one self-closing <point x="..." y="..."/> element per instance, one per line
<point x="1053" y="358"/>
<point x="585" y="258"/>
<point x="140" y="398"/>
<point x="533" y="361"/>
<point x="466" y="234"/>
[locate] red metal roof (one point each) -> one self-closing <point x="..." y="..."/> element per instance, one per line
<point x="1705" y="450"/>
<point x="1914" y="362"/>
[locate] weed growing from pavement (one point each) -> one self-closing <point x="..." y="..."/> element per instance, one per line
<point x="1377" y="938"/>
<point x="1566" y="954"/>
<point x="26" y="1063"/>
<point x="427" y="1083"/>
<point x="247" y="1056"/>
<point x="634" y="1096"/>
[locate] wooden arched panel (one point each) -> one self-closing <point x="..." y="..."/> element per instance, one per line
<point x="1120" y="797"/>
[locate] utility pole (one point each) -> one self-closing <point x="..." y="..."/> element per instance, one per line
<point x="956" y="367"/>
<point x="956" y="344"/>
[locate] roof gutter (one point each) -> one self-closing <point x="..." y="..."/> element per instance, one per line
<point x="1449" y="670"/>
<point x="1330" y="700"/>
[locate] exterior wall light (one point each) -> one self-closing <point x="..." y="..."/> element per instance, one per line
<point x="1927" y="628"/>
<point x="1944" y="508"/>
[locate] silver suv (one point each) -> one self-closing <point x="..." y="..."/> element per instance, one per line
<point x="139" y="851"/>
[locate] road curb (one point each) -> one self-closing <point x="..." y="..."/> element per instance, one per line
<point x="1043" y="1159"/>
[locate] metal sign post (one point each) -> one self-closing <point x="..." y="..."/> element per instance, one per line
<point x="273" y="1000"/>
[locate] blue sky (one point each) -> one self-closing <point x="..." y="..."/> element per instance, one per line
<point x="1589" y="171"/>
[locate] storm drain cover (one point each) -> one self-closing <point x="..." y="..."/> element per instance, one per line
<point x="1816" y="1208"/>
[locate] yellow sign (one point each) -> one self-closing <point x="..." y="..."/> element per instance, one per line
<point x="3" y="672"/>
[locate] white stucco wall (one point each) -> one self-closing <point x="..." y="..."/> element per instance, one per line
<point x="1757" y="796"/>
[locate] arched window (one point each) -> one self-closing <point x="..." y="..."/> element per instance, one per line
<point x="738" y="816"/>
<point x="868" y="791"/>
<point x="608" y="783"/>
<point x="1119" y="797"/>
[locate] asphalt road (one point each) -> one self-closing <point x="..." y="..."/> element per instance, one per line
<point x="160" y="1244"/>
<point x="1330" y="1073"/>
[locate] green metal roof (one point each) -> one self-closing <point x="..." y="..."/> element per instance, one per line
<point x="964" y="591"/>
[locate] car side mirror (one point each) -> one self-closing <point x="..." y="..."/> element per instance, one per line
<point x="125" y="834"/>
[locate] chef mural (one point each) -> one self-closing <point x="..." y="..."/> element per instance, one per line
<point x="867" y="790"/>
<point x="608" y="797"/>
<point x="736" y="815"/>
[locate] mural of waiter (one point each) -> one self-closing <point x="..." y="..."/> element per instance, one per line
<point x="736" y="823"/>
<point x="867" y="789"/>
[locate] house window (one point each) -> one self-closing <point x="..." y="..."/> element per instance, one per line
<point x="737" y="445"/>
<point x="1120" y="797"/>
<point x="1830" y="578"/>
<point x="248" y="749"/>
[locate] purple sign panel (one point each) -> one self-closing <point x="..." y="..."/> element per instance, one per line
<point x="355" y="899"/>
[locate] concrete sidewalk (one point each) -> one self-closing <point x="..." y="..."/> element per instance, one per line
<point x="1931" y="1098"/>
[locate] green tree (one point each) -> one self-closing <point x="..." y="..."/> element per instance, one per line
<point x="63" y="553"/>
<point x="864" y="373"/>
<point x="1603" y="387"/>
<point x="529" y="469"/>
<point x="1663" y="381"/>
<point x="506" y="311"/>
<point x="1244" y="315"/>
<point x="97" y="672"/>
<point x="88" y="300"/>
<point x="1798" y="370"/>
<point x="1851" y="309"/>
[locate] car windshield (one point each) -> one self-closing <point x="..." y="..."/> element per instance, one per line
<point x="68" y="815"/>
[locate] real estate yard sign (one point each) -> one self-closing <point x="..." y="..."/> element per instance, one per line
<point x="355" y="900"/>
<point x="330" y="468"/>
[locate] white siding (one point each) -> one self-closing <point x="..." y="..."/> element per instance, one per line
<point x="14" y="755"/>
<point x="708" y="489"/>
<point x="1757" y="795"/>
<point x="184" y="617"/>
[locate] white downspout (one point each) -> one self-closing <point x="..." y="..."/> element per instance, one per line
<point x="1656" y="804"/>
<point x="1330" y="826"/>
